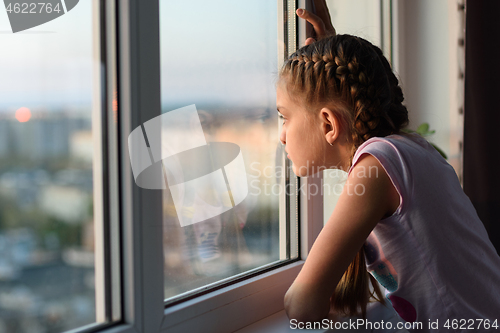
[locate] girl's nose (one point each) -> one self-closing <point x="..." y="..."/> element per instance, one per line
<point x="283" y="135"/>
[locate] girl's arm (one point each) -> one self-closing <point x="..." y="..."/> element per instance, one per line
<point x="364" y="201"/>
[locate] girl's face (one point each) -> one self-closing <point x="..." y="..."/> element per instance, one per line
<point x="301" y="135"/>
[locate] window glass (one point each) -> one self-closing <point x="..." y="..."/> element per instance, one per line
<point x="222" y="160"/>
<point x="47" y="275"/>
<point x="333" y="184"/>
<point x="357" y="17"/>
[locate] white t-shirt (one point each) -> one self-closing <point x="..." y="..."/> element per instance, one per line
<point x="433" y="255"/>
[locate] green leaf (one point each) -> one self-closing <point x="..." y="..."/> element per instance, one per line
<point x="440" y="151"/>
<point x="423" y="129"/>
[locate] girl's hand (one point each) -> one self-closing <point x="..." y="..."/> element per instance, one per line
<point x="321" y="21"/>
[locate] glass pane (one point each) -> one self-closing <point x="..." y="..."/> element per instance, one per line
<point x="219" y="138"/>
<point x="333" y="183"/>
<point x="47" y="272"/>
<point x="357" y="17"/>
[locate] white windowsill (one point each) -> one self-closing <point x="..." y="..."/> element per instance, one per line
<point x="279" y="323"/>
<point x="276" y="323"/>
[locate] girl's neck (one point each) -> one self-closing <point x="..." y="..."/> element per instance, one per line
<point x="341" y="154"/>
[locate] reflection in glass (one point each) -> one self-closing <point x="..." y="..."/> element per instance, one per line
<point x="221" y="57"/>
<point x="47" y="276"/>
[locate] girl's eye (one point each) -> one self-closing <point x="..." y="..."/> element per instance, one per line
<point x="280" y="116"/>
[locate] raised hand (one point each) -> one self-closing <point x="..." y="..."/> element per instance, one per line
<point x="321" y="21"/>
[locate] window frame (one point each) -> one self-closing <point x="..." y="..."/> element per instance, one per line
<point x="105" y="166"/>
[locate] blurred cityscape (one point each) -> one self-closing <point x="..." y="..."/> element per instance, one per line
<point x="46" y="222"/>
<point x="47" y="280"/>
<point x="244" y="237"/>
<point x="47" y="272"/>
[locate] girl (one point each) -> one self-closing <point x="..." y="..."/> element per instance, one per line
<point x="411" y="226"/>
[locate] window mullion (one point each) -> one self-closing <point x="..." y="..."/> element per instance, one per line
<point x="115" y="283"/>
<point x="139" y="101"/>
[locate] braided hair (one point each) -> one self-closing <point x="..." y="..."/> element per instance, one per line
<point x="353" y="75"/>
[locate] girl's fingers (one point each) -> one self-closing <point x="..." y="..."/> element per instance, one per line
<point x="310" y="40"/>
<point x="324" y="14"/>
<point x="316" y="21"/>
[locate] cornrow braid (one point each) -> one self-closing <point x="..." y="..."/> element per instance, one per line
<point x="353" y="74"/>
<point x="351" y="70"/>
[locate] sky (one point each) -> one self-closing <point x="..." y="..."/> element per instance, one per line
<point x="49" y="65"/>
<point x="223" y="51"/>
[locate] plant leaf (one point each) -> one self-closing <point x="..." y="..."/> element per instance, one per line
<point x="423" y="129"/>
<point x="440" y="151"/>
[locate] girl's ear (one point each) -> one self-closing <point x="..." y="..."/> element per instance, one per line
<point x="330" y="125"/>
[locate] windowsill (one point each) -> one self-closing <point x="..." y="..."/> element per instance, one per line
<point x="279" y="322"/>
<point x="276" y="323"/>
<point x="227" y="309"/>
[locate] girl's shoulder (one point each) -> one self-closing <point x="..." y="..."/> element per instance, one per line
<point x="410" y="139"/>
<point x="398" y="145"/>
<point x="403" y="157"/>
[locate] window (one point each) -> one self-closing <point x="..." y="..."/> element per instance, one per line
<point x="219" y="142"/>
<point x="59" y="235"/>
<point x="50" y="236"/>
<point x="165" y="53"/>
<point x="73" y="204"/>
